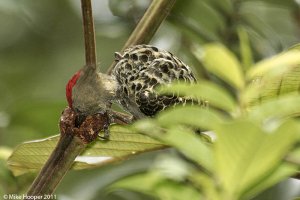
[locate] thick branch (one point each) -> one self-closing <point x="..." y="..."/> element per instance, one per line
<point x="89" y="33"/>
<point x="72" y="141"/>
<point x="148" y="25"/>
<point x="69" y="146"/>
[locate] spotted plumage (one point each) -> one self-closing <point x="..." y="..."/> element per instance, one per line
<point x="139" y="70"/>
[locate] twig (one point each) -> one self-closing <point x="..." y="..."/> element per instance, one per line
<point x="148" y="25"/>
<point x="121" y="118"/>
<point x="89" y="33"/>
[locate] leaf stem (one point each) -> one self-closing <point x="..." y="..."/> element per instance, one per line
<point x="148" y="25"/>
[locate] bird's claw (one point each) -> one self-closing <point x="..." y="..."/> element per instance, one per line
<point x="88" y="130"/>
<point x="106" y="131"/>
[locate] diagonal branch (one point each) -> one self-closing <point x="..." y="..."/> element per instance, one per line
<point x="59" y="162"/>
<point x="73" y="141"/>
<point x="148" y="25"/>
<point x="70" y="144"/>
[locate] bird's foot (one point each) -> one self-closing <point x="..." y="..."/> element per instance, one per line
<point x="88" y="130"/>
<point x="107" y="122"/>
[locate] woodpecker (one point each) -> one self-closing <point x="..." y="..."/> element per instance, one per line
<point x="139" y="70"/>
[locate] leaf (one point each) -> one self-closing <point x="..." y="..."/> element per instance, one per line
<point x="262" y="19"/>
<point x="245" y="49"/>
<point x="226" y="6"/>
<point x="190" y="145"/>
<point x="283" y="169"/>
<point x="194" y="25"/>
<point x="207" y="184"/>
<point x="208" y="92"/>
<point x="190" y="115"/>
<point x="266" y="88"/>
<point x="295" y="47"/>
<point x="245" y="154"/>
<point x="147" y="126"/>
<point x="280" y="173"/>
<point x="155" y="184"/>
<point x="276" y="65"/>
<point x="179" y="137"/>
<point x="220" y="61"/>
<point x="282" y="107"/>
<point x="123" y="143"/>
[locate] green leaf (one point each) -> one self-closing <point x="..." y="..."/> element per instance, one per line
<point x="283" y="169"/>
<point x="155" y="184"/>
<point x="245" y="49"/>
<point x="245" y="154"/>
<point x="123" y="143"/>
<point x="276" y="65"/>
<point x="220" y="61"/>
<point x="190" y="145"/>
<point x="208" y="92"/>
<point x="147" y="126"/>
<point x="282" y="107"/>
<point x="262" y="19"/>
<point x="295" y="47"/>
<point x="194" y="116"/>
<point x="266" y="88"/>
<point x="280" y="173"/>
<point x="181" y="138"/>
<point x="207" y="184"/>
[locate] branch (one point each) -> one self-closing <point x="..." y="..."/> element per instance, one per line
<point x="148" y="25"/>
<point x="72" y="142"/>
<point x="59" y="162"/>
<point x="89" y="34"/>
<point x="74" y="137"/>
<point x="121" y="118"/>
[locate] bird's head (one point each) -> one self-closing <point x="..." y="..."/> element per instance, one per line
<point x="89" y="92"/>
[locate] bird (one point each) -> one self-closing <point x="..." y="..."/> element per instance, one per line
<point x="139" y="70"/>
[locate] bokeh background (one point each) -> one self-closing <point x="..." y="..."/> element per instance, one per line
<point x="41" y="46"/>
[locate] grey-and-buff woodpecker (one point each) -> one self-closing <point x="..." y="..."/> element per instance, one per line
<point x="138" y="71"/>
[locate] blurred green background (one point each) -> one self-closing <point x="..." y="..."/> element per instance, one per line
<point x="41" y="46"/>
